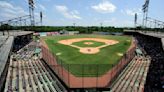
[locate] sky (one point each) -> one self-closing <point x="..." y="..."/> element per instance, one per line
<point x="119" y="13"/>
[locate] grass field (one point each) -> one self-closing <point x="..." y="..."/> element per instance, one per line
<point x="84" y="64"/>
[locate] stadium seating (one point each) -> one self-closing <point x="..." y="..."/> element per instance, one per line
<point x="133" y="76"/>
<point x="153" y="48"/>
<point x="28" y="74"/>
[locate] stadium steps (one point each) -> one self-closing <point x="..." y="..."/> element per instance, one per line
<point x="122" y="75"/>
<point x="133" y="78"/>
<point x="56" y="84"/>
<point x="126" y="78"/>
<point x="137" y="74"/>
<point x="143" y="78"/>
<point x="138" y="80"/>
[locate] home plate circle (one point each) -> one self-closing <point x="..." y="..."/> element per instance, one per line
<point x="89" y="50"/>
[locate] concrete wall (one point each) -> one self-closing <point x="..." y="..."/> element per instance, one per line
<point x="162" y="43"/>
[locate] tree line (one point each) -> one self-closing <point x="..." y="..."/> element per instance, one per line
<point x="81" y="29"/>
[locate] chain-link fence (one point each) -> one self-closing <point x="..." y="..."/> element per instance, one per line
<point x="86" y="75"/>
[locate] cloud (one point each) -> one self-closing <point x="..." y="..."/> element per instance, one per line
<point x="111" y="21"/>
<point x="104" y="7"/>
<point x="8" y="11"/>
<point x="66" y="13"/>
<point x="41" y="7"/>
<point x="131" y="12"/>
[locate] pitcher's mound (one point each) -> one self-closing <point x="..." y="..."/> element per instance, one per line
<point x="89" y="50"/>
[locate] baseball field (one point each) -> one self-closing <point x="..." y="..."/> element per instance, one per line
<point x="88" y="55"/>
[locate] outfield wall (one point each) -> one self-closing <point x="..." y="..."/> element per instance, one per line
<point x="62" y="70"/>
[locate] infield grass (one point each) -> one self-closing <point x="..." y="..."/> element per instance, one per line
<point x="82" y="43"/>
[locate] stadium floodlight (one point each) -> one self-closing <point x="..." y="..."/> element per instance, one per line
<point x="145" y="6"/>
<point x="145" y="11"/>
<point x="41" y="16"/>
<point x="31" y="12"/>
<point x="135" y="19"/>
<point x="31" y="3"/>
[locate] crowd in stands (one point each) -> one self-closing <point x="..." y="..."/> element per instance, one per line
<point x="153" y="48"/>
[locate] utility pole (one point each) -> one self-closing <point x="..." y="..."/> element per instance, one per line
<point x="74" y="25"/>
<point x="101" y="26"/>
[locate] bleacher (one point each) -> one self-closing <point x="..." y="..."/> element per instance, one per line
<point x="28" y="73"/>
<point x="133" y="77"/>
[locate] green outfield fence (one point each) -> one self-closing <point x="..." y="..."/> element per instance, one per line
<point x="86" y="75"/>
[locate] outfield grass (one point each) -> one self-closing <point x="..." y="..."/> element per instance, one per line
<point x="93" y="64"/>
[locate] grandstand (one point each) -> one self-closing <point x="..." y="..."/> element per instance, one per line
<point x="153" y="47"/>
<point x="152" y="44"/>
<point x="29" y="66"/>
<point x="7" y="45"/>
<point x="28" y="73"/>
<point x="133" y="78"/>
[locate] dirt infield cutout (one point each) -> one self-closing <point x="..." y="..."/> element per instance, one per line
<point x="88" y="50"/>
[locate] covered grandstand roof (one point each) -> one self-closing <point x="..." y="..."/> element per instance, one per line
<point x="154" y="34"/>
<point x="16" y="33"/>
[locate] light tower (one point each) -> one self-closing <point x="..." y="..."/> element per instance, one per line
<point x="145" y="8"/>
<point x="135" y="20"/>
<point x="41" y="17"/>
<point x="31" y="12"/>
